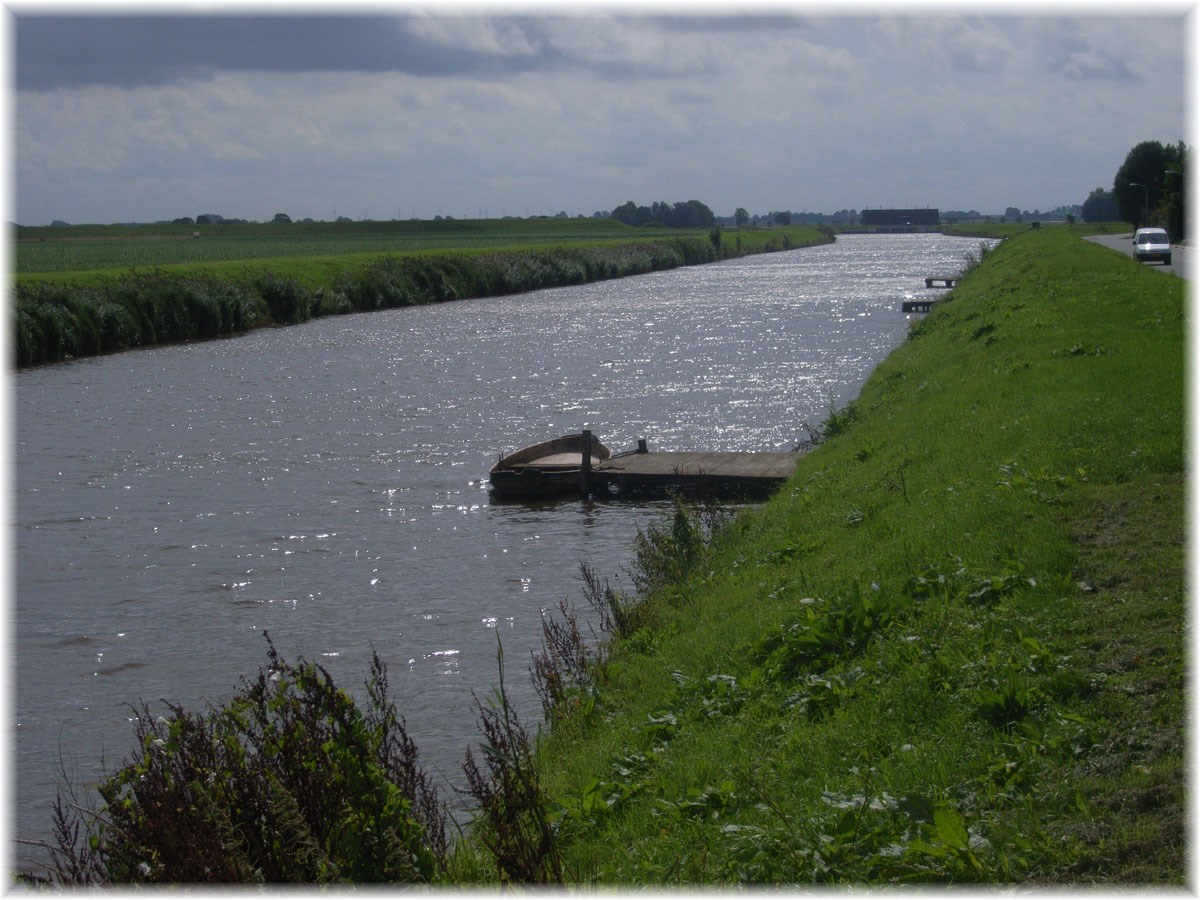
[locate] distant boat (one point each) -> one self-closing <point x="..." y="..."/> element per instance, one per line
<point x="545" y="469"/>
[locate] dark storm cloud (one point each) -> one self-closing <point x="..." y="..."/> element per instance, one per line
<point x="70" y="51"/>
<point x="128" y="51"/>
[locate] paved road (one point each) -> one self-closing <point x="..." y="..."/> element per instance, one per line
<point x="1181" y="257"/>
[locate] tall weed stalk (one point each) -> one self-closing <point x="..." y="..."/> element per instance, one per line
<point x="564" y="669"/>
<point x="515" y="819"/>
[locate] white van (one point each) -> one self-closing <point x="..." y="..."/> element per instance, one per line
<point x="1150" y="244"/>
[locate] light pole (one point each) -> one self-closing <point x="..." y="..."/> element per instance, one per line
<point x="1184" y="230"/>
<point x="1146" y="213"/>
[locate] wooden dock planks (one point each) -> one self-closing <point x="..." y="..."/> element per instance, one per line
<point x="720" y="471"/>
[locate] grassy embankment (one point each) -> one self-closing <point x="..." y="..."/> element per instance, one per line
<point x="101" y="289"/>
<point x="950" y="649"/>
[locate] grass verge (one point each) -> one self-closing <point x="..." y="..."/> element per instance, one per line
<point x="951" y="650"/>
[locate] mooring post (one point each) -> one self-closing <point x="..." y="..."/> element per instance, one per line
<point x="642" y="446"/>
<point x="585" y="470"/>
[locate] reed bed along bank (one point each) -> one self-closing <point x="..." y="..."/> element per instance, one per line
<point x="60" y="314"/>
<point x="950" y="650"/>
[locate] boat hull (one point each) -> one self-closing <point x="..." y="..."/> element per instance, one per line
<point x="551" y="468"/>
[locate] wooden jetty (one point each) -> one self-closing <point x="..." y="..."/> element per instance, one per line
<point x="699" y="471"/>
<point x="694" y="473"/>
<point x="924" y="306"/>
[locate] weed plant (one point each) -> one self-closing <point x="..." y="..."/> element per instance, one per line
<point x="514" y="822"/>
<point x="291" y="781"/>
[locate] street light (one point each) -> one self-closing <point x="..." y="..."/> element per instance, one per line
<point x="1185" y="230"/>
<point x="1146" y="214"/>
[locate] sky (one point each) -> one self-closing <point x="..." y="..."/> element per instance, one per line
<point x="144" y="114"/>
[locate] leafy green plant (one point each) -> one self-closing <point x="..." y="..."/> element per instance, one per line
<point x="565" y="669"/>
<point x="667" y="554"/>
<point x="287" y="299"/>
<point x="288" y="782"/>
<point x="827" y="631"/>
<point x="839" y="420"/>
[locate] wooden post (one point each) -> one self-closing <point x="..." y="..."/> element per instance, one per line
<point x="585" y="470"/>
<point x="642" y="446"/>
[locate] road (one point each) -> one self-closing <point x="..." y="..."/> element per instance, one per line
<point x="1181" y="257"/>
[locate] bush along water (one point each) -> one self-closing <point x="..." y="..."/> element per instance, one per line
<point x="56" y="321"/>
<point x="291" y="781"/>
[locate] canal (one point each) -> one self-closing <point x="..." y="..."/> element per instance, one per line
<point x="326" y="483"/>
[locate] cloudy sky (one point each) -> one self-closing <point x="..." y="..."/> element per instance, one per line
<point x="128" y="115"/>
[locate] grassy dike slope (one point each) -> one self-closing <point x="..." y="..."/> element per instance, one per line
<point x="951" y="648"/>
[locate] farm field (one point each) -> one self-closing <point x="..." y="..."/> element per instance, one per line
<point x="90" y="248"/>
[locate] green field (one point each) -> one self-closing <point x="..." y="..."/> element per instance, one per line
<point x="87" y="248"/>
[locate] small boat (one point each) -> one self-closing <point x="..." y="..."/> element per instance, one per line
<point x="545" y="469"/>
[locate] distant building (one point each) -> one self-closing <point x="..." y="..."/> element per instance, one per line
<point x="901" y="219"/>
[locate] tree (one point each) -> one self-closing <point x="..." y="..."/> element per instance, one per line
<point x="626" y="212"/>
<point x="1138" y="185"/>
<point x="690" y="214"/>
<point x="1175" y="193"/>
<point x="1100" y="207"/>
<point x="741" y="217"/>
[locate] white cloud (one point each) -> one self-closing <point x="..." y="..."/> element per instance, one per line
<point x="497" y="36"/>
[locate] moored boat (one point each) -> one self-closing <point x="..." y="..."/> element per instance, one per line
<point x="546" y="469"/>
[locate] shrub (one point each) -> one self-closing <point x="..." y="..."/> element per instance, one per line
<point x="287" y="299"/>
<point x="667" y="555"/>
<point x="288" y="782"/>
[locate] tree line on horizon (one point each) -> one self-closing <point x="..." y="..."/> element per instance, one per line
<point x="689" y="214"/>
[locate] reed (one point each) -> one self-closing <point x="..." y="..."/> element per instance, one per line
<point x="62" y="315"/>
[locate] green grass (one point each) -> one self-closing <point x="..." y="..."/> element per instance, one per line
<point x="78" y="252"/>
<point x="951" y="649"/>
<point x="91" y="247"/>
